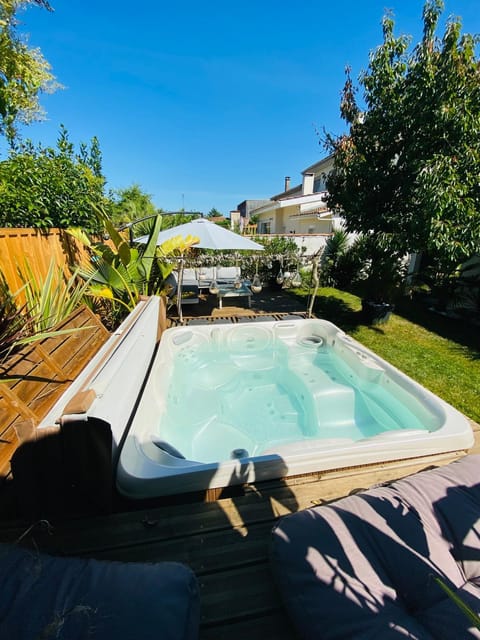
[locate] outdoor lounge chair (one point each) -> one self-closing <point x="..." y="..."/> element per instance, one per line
<point x="222" y="276"/>
<point x="366" y="565"/>
<point x="228" y="275"/>
<point x="75" y="599"/>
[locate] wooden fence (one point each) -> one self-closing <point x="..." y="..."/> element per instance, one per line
<point x="33" y="379"/>
<point x="37" y="248"/>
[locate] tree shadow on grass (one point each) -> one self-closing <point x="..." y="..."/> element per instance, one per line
<point x="342" y="314"/>
<point x="458" y="330"/>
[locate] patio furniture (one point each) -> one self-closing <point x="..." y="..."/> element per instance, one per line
<point x="222" y="276"/>
<point x="229" y="291"/>
<point x="228" y="275"/>
<point x="365" y="566"/>
<point x="73" y="598"/>
<point x="210" y="236"/>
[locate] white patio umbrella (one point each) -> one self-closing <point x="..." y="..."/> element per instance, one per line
<point x="211" y="236"/>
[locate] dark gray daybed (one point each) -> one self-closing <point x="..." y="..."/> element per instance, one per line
<point x="76" y="599"/>
<point x="364" y="566"/>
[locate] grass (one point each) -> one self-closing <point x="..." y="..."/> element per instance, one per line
<point x="440" y="353"/>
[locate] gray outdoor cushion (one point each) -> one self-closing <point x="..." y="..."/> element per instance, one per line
<point x="364" y="566"/>
<point x="76" y="599"/>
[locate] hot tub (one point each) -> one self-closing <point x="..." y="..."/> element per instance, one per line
<point x="229" y="404"/>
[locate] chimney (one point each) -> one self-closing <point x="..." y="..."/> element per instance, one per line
<point x="287" y="183"/>
<point x="307" y="188"/>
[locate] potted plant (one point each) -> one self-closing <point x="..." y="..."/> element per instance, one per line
<point x="383" y="275"/>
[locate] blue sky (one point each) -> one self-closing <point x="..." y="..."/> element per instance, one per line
<point x="205" y="104"/>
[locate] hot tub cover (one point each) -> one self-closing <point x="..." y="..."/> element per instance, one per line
<point x="74" y="599"/>
<point x="364" y="567"/>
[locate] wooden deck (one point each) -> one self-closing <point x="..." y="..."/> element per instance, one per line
<point x="225" y="542"/>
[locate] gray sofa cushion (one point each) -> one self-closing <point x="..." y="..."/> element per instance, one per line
<point x="364" y="566"/>
<point x="73" y="599"/>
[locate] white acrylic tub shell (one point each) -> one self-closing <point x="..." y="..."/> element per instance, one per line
<point x="145" y="470"/>
<point x="116" y="373"/>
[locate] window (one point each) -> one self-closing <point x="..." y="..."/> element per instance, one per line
<point x="265" y="227"/>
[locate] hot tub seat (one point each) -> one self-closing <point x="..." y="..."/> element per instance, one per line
<point x="364" y="566"/>
<point x="74" y="599"/>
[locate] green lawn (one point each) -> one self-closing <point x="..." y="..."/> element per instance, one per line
<point x="440" y="353"/>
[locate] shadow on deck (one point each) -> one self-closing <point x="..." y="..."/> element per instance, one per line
<point x="225" y="542"/>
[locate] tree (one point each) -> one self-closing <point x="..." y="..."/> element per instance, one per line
<point x="214" y="213"/>
<point x="132" y="204"/>
<point x="24" y="72"/>
<point x="407" y="170"/>
<point x="174" y="219"/>
<point x="52" y="187"/>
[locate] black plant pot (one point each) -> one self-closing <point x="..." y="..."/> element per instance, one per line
<point x="376" y="312"/>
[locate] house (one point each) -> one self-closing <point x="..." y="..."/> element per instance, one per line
<point x="300" y="211"/>
<point x="247" y="207"/>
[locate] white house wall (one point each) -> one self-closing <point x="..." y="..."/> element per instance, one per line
<point x="312" y="225"/>
<point x="283" y="219"/>
<point x="284" y="211"/>
<point x="308" y="244"/>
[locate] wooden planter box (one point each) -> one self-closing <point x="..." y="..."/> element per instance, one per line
<point x="34" y="378"/>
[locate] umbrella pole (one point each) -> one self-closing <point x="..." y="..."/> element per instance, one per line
<point x="179" y="290"/>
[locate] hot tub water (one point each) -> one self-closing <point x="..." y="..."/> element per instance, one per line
<point x="268" y="393"/>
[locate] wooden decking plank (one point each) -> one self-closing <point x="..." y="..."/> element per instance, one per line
<point x="15" y="403"/>
<point x="8" y="415"/>
<point x="9" y="443"/>
<point x="32" y="375"/>
<point x="261" y="502"/>
<point x="476" y="432"/>
<point x="19" y="364"/>
<point x="78" y="354"/>
<point x="204" y="553"/>
<point x="255" y="594"/>
<point x="139" y="528"/>
<point x="135" y="528"/>
<point x="52" y="363"/>
<point x="262" y="627"/>
<point x="81" y="317"/>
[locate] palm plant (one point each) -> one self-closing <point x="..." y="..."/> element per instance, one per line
<point x="342" y="260"/>
<point x="31" y="313"/>
<point x="13" y="327"/>
<point x="121" y="274"/>
<point x="335" y="247"/>
<point x="51" y="299"/>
